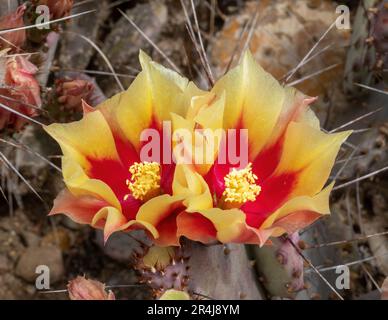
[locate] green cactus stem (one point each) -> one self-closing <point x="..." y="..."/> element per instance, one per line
<point x="280" y="267"/>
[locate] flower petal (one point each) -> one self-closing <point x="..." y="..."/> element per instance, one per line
<point x="113" y="218"/>
<point x="79" y="184"/>
<point x="254" y="101"/>
<point x="166" y="89"/>
<point x="205" y="128"/>
<point x="306" y="161"/>
<point x="79" y="209"/>
<point x="289" y="215"/>
<point x="160" y="213"/>
<point x="167" y="230"/>
<point x="311" y="154"/>
<point x="151" y="98"/>
<point x="96" y="143"/>
<point x="190" y="192"/>
<point x="130" y="112"/>
<point x="228" y="223"/>
<point x="158" y="208"/>
<point x="295" y="108"/>
<point x="196" y="227"/>
<point x="193" y="188"/>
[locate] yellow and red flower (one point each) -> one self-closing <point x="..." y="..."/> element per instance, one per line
<point x="280" y="189"/>
<point x="107" y="183"/>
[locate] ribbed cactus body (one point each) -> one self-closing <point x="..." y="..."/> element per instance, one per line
<point x="367" y="55"/>
<point x="379" y="36"/>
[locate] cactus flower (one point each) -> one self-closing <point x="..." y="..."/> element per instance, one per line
<point x="108" y="183"/>
<point x="13" y="20"/>
<point x="278" y="188"/>
<point x="19" y="89"/>
<point x="281" y="189"/>
<point x="85" y="289"/>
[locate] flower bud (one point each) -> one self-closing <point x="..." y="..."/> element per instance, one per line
<point x="14" y="39"/>
<point x="19" y="90"/>
<point x="72" y="92"/>
<point x="21" y="82"/>
<point x="83" y="289"/>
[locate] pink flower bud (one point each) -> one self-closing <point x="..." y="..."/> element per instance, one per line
<point x="14" y="39"/>
<point x="72" y="92"/>
<point x="20" y="79"/>
<point x="19" y="90"/>
<point x="83" y="289"/>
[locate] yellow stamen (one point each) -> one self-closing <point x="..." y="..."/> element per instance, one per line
<point x="240" y="186"/>
<point x="145" y="179"/>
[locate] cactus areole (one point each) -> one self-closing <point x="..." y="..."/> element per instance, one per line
<point x="114" y="180"/>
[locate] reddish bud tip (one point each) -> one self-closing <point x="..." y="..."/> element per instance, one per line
<point x="83" y="289"/>
<point x="13" y="39"/>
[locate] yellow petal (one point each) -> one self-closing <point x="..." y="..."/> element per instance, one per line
<point x="193" y="188"/>
<point x="130" y="112"/>
<point x="79" y="184"/>
<point x="295" y="108"/>
<point x="89" y="137"/>
<point x="114" y="220"/>
<point x="152" y="96"/>
<point x="311" y="154"/>
<point x="198" y="100"/>
<point x="182" y="139"/>
<point x="157" y="209"/>
<point x="189" y="191"/>
<point x="204" y="130"/>
<point x="208" y="140"/>
<point x="166" y="88"/>
<point x="253" y="97"/>
<point x="230" y="224"/>
<point x="309" y="117"/>
<point x="210" y="114"/>
<point x="318" y="203"/>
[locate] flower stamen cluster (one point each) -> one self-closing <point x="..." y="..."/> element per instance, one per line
<point x="240" y="186"/>
<point x="145" y="179"/>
